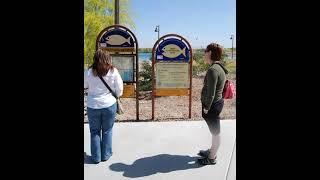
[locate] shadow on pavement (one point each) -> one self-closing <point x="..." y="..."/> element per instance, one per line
<point x="163" y="163"/>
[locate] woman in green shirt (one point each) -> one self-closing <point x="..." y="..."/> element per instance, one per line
<point x="212" y="100"/>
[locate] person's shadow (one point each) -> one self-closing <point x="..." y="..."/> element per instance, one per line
<point x="163" y="163"/>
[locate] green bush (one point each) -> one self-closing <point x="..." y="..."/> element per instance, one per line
<point x="231" y="66"/>
<point x="145" y="83"/>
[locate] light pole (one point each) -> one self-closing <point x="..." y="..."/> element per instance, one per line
<point x="232" y="46"/>
<point x="116" y="16"/>
<point x="158" y="30"/>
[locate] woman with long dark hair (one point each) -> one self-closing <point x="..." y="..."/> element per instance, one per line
<point x="101" y="104"/>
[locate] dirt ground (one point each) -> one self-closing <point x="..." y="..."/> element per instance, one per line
<point x="173" y="107"/>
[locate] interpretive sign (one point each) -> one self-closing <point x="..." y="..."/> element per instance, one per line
<point x="171" y="68"/>
<point x="122" y="45"/>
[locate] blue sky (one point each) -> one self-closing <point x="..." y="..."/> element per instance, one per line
<point x="199" y="21"/>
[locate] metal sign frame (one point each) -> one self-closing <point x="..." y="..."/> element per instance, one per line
<point x="121" y="50"/>
<point x="172" y="92"/>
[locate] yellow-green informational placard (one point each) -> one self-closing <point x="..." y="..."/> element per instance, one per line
<point x="172" y="75"/>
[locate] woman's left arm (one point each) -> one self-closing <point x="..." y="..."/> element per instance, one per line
<point x="212" y="84"/>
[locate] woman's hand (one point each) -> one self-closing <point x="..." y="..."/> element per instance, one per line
<point x="205" y="111"/>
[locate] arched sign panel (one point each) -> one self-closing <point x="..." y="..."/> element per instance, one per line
<point x="172" y="68"/>
<point x="122" y="44"/>
<point x="173" y="50"/>
<point x="117" y="40"/>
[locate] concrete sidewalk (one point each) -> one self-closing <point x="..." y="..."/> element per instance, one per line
<point x="163" y="150"/>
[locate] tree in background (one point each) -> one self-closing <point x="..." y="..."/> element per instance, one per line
<point x="99" y="14"/>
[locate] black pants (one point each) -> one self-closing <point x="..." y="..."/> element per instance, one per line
<point x="213" y="116"/>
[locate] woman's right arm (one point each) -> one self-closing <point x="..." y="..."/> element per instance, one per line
<point x="118" y="84"/>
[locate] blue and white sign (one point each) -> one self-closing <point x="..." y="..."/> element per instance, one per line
<point x="173" y="50"/>
<point x="116" y="38"/>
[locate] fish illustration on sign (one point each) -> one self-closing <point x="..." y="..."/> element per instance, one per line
<point x="117" y="40"/>
<point x="172" y="51"/>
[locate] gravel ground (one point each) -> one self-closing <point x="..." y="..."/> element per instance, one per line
<point x="172" y="108"/>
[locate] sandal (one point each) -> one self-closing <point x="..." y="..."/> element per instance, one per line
<point x="207" y="161"/>
<point x="204" y="153"/>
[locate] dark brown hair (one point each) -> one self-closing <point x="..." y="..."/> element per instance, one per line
<point x="216" y="51"/>
<point x="101" y="63"/>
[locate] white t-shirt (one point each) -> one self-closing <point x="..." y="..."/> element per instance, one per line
<point x="99" y="95"/>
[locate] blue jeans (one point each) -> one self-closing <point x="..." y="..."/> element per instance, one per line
<point x="101" y="122"/>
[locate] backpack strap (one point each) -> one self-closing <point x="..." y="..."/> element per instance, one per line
<point x="225" y="70"/>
